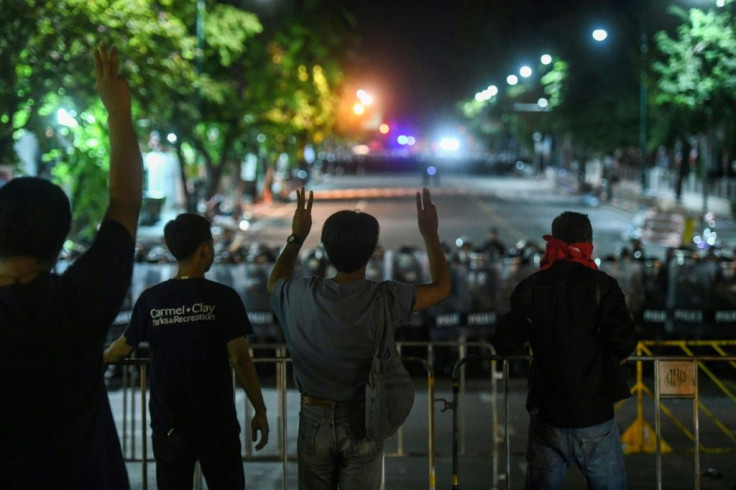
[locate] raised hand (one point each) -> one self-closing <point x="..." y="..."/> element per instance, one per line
<point x="111" y="87"/>
<point x="426" y="214"/>
<point x="301" y="224"/>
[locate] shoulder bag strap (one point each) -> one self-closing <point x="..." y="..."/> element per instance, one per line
<point x="384" y="331"/>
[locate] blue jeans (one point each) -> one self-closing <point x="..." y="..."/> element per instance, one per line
<point x="333" y="451"/>
<point x="596" y="450"/>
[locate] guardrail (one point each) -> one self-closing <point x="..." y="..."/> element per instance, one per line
<point x="674" y="377"/>
<point x="130" y="432"/>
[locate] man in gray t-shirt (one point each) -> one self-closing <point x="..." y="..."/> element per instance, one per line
<point x="330" y="329"/>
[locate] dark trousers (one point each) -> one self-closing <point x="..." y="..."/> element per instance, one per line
<point x="218" y="455"/>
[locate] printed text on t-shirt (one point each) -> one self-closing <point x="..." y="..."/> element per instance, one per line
<point x="182" y="314"/>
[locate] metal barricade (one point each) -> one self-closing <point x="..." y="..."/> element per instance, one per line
<point x="128" y="439"/>
<point x="462" y="349"/>
<point x="674" y="377"/>
<point x="130" y="432"/>
<point x="637" y="436"/>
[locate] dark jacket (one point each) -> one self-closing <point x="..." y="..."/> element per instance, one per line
<point x="576" y="321"/>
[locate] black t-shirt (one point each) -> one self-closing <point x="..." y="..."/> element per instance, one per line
<point x="56" y="426"/>
<point x="188" y="323"/>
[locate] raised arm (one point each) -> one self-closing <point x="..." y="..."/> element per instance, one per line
<point x="126" y="163"/>
<point x="301" y="224"/>
<point x="439" y="288"/>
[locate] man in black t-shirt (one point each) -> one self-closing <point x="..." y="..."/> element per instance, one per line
<point x="194" y="326"/>
<point x="57" y="429"/>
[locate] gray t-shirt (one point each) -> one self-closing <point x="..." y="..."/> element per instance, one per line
<point x="330" y="330"/>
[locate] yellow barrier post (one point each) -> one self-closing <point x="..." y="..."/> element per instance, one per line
<point x="639" y="437"/>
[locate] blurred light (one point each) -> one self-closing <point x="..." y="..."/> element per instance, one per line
<point x="361" y="149"/>
<point x="309" y="155"/>
<point x="486" y="94"/>
<point x="449" y="144"/>
<point x="384" y="128"/>
<point x="261" y="137"/>
<point x="431" y="170"/>
<point x="545" y="59"/>
<point x="543" y="103"/>
<point x="359" y="108"/>
<point x="244" y="225"/>
<point x="720" y="3"/>
<point x="411" y="140"/>
<point x="171" y="138"/>
<point x="512" y="79"/>
<point x="525" y="71"/>
<point x="600" y="34"/>
<point x="66" y="118"/>
<point x="364" y="97"/>
<point x="302" y="174"/>
<point x="402" y="139"/>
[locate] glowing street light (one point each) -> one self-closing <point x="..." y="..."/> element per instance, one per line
<point x="525" y="71"/>
<point x="600" y="35"/>
<point x="545" y="59"/>
<point x="512" y="79"/>
<point x="365" y="98"/>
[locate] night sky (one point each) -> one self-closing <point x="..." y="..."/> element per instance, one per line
<point x="421" y="57"/>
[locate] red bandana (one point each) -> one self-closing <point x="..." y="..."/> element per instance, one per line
<point x="573" y="252"/>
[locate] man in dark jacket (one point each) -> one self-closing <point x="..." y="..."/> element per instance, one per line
<point x="575" y="319"/>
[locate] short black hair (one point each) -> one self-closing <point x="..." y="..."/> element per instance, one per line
<point x="572" y="227"/>
<point x="350" y="238"/>
<point x="185" y="234"/>
<point x="35" y="218"/>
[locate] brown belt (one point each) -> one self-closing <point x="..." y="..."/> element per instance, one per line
<point x="313" y="400"/>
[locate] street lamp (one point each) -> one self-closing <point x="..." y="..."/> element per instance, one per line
<point x="600" y="35"/>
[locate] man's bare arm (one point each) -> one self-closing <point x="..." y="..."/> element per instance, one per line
<point x="301" y="225"/>
<point x="245" y="372"/>
<point x="126" y="163"/>
<point x="119" y="349"/>
<point x="439" y="288"/>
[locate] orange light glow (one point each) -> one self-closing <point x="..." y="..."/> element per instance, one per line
<point x="384" y="128"/>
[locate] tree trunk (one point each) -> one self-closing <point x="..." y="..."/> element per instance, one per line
<point x="189" y="198"/>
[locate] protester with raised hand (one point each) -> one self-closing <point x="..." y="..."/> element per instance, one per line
<point x="330" y="327"/>
<point x="57" y="429"/>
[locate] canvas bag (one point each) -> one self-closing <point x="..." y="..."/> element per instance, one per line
<point x="389" y="391"/>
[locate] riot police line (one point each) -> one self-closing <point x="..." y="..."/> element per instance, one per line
<point x="682" y="297"/>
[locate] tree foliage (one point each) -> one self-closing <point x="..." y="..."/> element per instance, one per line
<point x="696" y="88"/>
<point x="217" y="91"/>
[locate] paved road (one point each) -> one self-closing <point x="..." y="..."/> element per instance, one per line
<point x="521" y="208"/>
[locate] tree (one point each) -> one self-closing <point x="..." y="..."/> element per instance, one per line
<point x="48" y="89"/>
<point x="218" y="91"/>
<point x="696" y="88"/>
